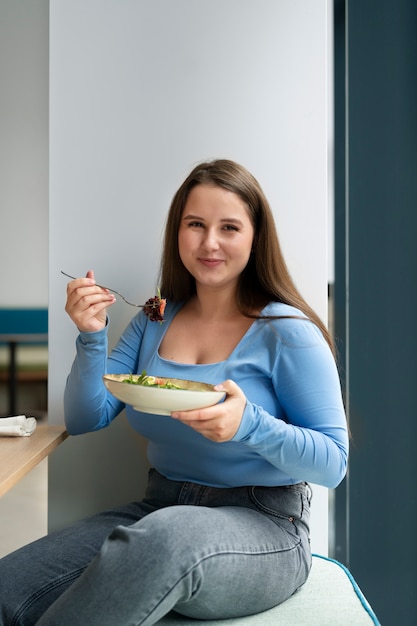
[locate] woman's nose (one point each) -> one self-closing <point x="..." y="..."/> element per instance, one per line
<point x="211" y="240"/>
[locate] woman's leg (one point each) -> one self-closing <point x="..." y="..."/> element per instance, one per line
<point x="33" y="577"/>
<point x="204" y="562"/>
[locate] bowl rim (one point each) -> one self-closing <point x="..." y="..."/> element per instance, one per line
<point x="120" y="378"/>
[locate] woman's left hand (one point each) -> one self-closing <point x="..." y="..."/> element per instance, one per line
<point x="219" y="422"/>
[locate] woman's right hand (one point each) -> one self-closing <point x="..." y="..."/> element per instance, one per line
<point x="87" y="303"/>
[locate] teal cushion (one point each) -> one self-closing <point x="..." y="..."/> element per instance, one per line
<point x="23" y="321"/>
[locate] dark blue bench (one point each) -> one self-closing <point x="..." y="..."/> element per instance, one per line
<point x="21" y="327"/>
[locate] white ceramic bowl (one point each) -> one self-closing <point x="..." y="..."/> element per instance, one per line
<point x="192" y="395"/>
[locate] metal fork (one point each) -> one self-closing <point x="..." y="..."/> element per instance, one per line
<point x="109" y="289"/>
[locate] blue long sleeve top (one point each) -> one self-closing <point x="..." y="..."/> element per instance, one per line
<point x="293" y="427"/>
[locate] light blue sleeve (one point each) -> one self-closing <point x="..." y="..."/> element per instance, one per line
<point x="311" y="441"/>
<point x="88" y="405"/>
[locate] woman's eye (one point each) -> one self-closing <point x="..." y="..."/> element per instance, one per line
<point x="224" y="227"/>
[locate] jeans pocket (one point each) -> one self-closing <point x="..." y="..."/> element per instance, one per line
<point x="286" y="503"/>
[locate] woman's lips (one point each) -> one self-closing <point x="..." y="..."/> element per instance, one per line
<point x="210" y="262"/>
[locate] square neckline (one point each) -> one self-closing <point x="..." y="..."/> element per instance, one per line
<point x="176" y="308"/>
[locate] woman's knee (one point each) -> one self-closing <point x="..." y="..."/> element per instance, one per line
<point x="169" y="532"/>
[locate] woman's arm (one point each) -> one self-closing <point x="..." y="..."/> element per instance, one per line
<point x="88" y="405"/>
<point x="311" y="442"/>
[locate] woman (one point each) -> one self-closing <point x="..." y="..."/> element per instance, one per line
<point x="223" y="530"/>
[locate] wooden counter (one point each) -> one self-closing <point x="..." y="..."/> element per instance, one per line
<point x="18" y="455"/>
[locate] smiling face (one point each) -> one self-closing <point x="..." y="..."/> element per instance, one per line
<point x="215" y="236"/>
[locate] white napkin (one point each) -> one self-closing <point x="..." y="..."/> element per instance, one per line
<point x="18" y="426"/>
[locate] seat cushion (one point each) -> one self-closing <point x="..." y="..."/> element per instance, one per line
<point x="330" y="597"/>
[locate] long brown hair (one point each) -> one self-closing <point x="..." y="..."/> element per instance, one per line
<point x="266" y="277"/>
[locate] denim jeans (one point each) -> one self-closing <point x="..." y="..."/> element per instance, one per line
<point x="201" y="551"/>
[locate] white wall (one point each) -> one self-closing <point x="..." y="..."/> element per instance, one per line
<point x="140" y="91"/>
<point x="24" y="153"/>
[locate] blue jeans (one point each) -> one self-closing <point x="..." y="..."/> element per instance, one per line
<point x="204" y="552"/>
